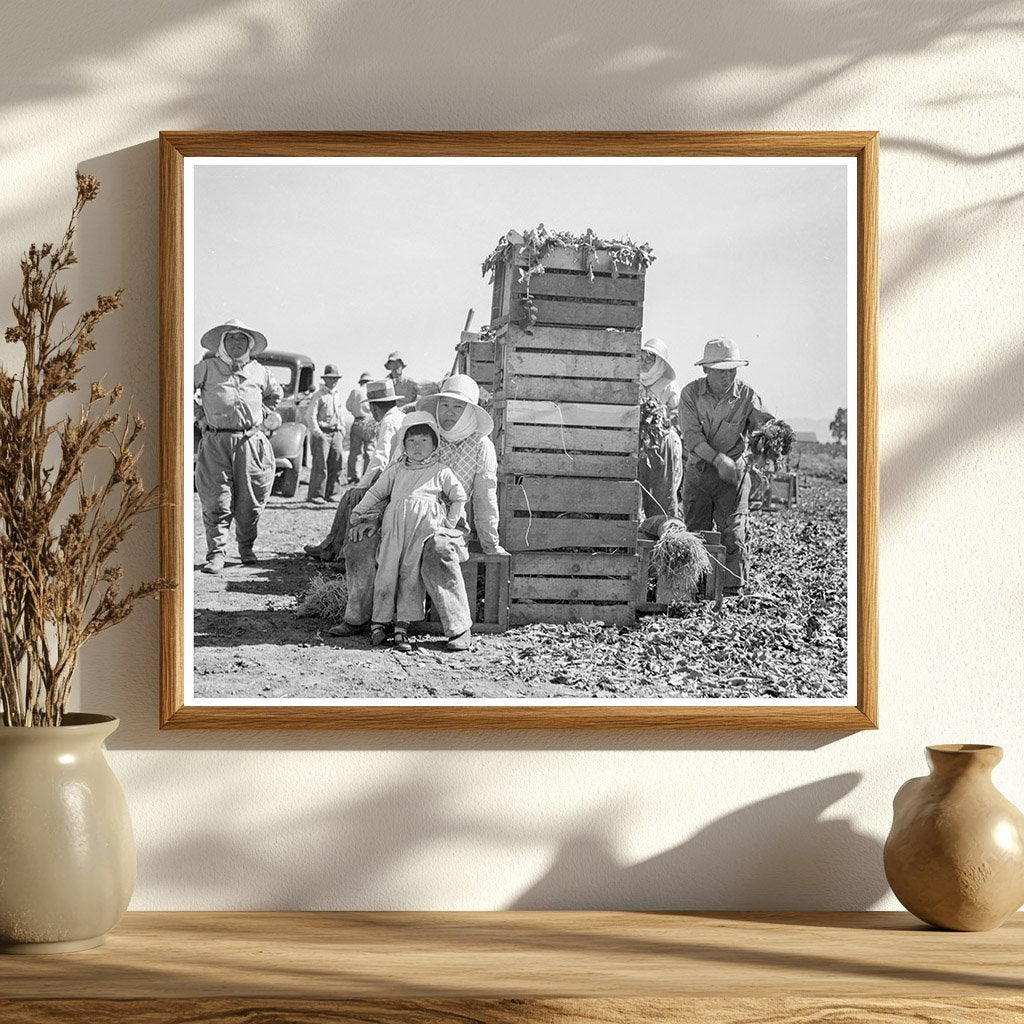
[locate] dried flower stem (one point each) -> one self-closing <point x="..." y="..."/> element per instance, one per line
<point x="57" y="588"/>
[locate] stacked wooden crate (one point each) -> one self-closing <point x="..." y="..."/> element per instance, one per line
<point x="475" y="357"/>
<point x="567" y="420"/>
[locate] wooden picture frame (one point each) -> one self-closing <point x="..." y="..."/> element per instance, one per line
<point x="178" y="147"/>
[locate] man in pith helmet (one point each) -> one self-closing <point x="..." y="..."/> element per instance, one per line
<point x="717" y="412"/>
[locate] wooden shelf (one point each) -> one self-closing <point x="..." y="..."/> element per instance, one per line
<point x="543" y="967"/>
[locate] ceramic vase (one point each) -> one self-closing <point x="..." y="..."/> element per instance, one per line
<point x="955" y="854"/>
<point x="67" y="855"/>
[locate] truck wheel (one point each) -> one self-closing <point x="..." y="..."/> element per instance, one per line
<point x="289" y="482"/>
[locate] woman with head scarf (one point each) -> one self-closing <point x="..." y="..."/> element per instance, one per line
<point x="235" y="461"/>
<point x="661" y="461"/>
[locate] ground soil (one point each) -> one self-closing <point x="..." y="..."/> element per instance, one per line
<point x="787" y="638"/>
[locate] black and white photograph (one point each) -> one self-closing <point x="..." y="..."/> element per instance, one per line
<point x="520" y="431"/>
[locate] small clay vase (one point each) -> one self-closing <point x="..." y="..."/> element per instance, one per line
<point x="955" y="854"/>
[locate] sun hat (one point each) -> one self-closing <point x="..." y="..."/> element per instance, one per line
<point x="395" y="357"/>
<point x="381" y="391"/>
<point x="413" y="419"/>
<point x="211" y="339"/>
<point x="721" y="354"/>
<point x="660" y="349"/>
<point x="464" y="389"/>
<point x="364" y="377"/>
<point x="330" y="370"/>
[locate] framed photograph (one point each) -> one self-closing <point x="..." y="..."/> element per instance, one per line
<point x="519" y="430"/>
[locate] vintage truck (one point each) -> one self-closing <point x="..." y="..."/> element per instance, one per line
<point x="286" y="426"/>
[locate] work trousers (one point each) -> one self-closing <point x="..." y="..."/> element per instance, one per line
<point x="331" y="546"/>
<point x="661" y="473"/>
<point x="234" y="475"/>
<point x="360" y="442"/>
<point x="442" y="576"/>
<point x="327" y="453"/>
<point x="707" y="500"/>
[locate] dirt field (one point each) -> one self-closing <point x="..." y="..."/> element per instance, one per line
<point x="786" y="638"/>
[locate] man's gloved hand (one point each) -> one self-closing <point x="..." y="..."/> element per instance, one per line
<point x="728" y="472"/>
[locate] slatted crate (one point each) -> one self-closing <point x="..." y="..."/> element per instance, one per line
<point x="565" y="293"/>
<point x="567" y="439"/>
<point x="487" y="587"/>
<point x="539" y="513"/>
<point x="567" y="364"/>
<point x="552" y="586"/>
<point x="666" y="592"/>
<point x="476" y="358"/>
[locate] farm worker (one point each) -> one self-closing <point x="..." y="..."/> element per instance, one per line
<point x="716" y="413"/>
<point x="406" y="389"/>
<point x="661" y="470"/>
<point x="235" y="461"/>
<point x="361" y="436"/>
<point x="325" y="418"/>
<point x="380" y="395"/>
<point x="467" y="450"/>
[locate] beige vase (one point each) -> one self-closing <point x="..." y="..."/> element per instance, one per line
<point x="67" y="856"/>
<point x="955" y="854"/>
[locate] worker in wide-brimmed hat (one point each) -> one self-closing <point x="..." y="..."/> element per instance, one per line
<point x="235" y="461"/>
<point x="406" y="389"/>
<point x="466" y="448"/>
<point x="387" y="415"/>
<point x="717" y="412"/>
<point x="661" y="461"/>
<point x="360" y="438"/>
<point x="326" y="418"/>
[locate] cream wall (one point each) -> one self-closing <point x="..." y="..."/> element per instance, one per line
<point x="749" y="820"/>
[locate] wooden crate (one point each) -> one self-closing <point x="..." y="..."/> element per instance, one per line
<point x="565" y="294"/>
<point x="548" y="513"/>
<point x="566" y="364"/>
<point x="573" y="587"/>
<point x="666" y="593"/>
<point x="476" y="358"/>
<point x="785" y="490"/>
<point x="487" y="587"/>
<point x="567" y="439"/>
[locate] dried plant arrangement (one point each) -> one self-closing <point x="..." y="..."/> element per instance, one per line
<point x="58" y="531"/>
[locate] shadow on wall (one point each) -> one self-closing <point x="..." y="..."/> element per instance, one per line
<point x="405" y="844"/>
<point x="777" y="854"/>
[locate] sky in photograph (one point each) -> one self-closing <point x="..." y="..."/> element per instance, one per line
<point x="345" y="262"/>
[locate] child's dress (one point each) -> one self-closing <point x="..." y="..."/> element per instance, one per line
<point x="416" y="496"/>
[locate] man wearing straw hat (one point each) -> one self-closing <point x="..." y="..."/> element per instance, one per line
<point x="325" y="417"/>
<point x="466" y="448"/>
<point x="406" y="389"/>
<point x="383" y="403"/>
<point x="661" y="468"/>
<point x="235" y="461"/>
<point x="716" y="414"/>
<point x="360" y="438"/>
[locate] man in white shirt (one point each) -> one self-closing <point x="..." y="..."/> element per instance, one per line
<point x="360" y="439"/>
<point x="385" y="410"/>
<point x="326" y="420"/>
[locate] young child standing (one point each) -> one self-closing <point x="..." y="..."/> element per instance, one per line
<point x="413" y="498"/>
